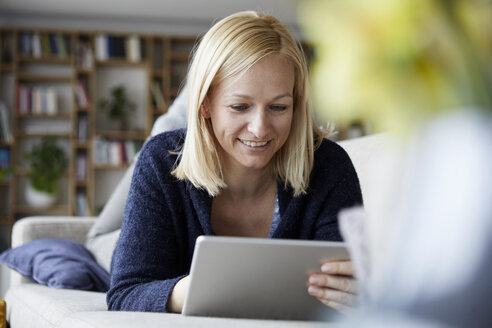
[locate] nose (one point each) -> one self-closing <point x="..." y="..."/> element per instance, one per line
<point x="259" y="123"/>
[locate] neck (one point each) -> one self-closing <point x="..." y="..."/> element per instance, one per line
<point x="249" y="183"/>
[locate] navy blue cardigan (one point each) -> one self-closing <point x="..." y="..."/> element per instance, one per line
<point x="164" y="216"/>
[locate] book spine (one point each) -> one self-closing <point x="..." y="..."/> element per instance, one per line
<point x="36" y="45"/>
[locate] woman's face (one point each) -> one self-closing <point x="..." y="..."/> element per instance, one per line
<point x="252" y="114"/>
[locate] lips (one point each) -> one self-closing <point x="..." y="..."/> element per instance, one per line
<point x="253" y="143"/>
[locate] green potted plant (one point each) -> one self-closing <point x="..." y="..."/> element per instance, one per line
<point x="4" y="173"/>
<point x="48" y="162"/>
<point x="119" y="106"/>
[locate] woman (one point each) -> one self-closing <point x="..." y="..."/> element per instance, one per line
<point x="250" y="163"/>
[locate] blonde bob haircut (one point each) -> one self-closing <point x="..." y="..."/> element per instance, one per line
<point x="230" y="47"/>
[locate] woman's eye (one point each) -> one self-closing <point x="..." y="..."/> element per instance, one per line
<point x="239" y="107"/>
<point x="278" y="108"/>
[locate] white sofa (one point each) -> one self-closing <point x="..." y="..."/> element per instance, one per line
<point x="33" y="305"/>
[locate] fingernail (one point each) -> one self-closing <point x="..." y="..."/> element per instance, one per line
<point x="313" y="290"/>
<point x="326" y="268"/>
<point x="314" y="280"/>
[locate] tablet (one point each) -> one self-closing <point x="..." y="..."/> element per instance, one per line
<point x="257" y="278"/>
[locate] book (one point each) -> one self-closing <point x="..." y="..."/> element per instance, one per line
<point x="133" y="48"/>
<point x="81" y="167"/>
<point x="82" y="129"/>
<point x="36" y="45"/>
<point x="5" y="124"/>
<point x="81" y="94"/>
<point x="25" y="44"/>
<point x="45" y="45"/>
<point x="53" y="44"/>
<point x="101" y="47"/>
<point x="84" y="57"/>
<point x="61" y="46"/>
<point x="51" y="101"/>
<point x="81" y="204"/>
<point x="157" y="95"/>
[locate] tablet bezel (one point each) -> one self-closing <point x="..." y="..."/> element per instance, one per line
<point x="250" y="277"/>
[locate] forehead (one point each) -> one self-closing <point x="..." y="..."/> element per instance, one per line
<point x="273" y="74"/>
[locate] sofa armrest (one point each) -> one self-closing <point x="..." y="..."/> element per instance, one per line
<point x="38" y="227"/>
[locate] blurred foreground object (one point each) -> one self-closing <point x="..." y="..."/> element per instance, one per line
<point x="394" y="63"/>
<point x="422" y="68"/>
<point x="3" y="314"/>
<point x="439" y="259"/>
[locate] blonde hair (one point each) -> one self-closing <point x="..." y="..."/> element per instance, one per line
<point x="231" y="46"/>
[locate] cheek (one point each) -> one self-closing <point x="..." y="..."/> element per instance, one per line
<point x="225" y="125"/>
<point x="284" y="125"/>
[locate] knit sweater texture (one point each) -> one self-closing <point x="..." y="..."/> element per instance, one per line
<point x="164" y="216"/>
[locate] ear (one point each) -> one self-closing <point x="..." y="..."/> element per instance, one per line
<point x="205" y="108"/>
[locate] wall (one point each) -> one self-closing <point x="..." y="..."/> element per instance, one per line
<point x="149" y="25"/>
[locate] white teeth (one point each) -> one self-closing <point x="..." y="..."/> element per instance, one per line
<point x="254" y="144"/>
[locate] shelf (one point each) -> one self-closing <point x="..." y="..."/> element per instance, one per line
<point x="84" y="109"/>
<point x="81" y="145"/>
<point x="137" y="135"/>
<point x="62" y="116"/>
<point x="180" y="56"/>
<point x="6" y="68"/>
<point x="46" y="59"/>
<point x="4" y="219"/>
<point x="164" y="59"/>
<point x="38" y="135"/>
<point x="23" y="171"/>
<point x="44" y="78"/>
<point x="84" y="70"/>
<point x="81" y="183"/>
<point x="110" y="167"/>
<point x="121" y="62"/>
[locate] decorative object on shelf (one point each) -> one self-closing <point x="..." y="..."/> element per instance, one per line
<point x="48" y="162"/>
<point x="119" y="107"/>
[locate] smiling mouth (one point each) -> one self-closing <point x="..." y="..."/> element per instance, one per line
<point x="253" y="143"/>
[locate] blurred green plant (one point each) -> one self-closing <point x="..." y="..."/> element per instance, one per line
<point x="48" y="162"/>
<point x="395" y="63"/>
<point x="119" y="106"/>
<point x="5" y="173"/>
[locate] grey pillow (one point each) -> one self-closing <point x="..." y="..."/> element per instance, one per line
<point x="101" y="239"/>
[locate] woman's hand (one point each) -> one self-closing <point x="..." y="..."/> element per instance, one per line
<point x="335" y="286"/>
<point x="176" y="300"/>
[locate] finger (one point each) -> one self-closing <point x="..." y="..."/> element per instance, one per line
<point x="342" y="283"/>
<point x="332" y="295"/>
<point x="338" y="267"/>
<point x="337" y="306"/>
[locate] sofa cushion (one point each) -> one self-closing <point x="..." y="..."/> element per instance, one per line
<point x="157" y="320"/>
<point x="33" y="305"/>
<point x="58" y="263"/>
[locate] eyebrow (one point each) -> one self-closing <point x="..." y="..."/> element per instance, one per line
<point x="240" y="95"/>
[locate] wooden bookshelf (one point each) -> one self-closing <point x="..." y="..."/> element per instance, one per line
<point x="74" y="64"/>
